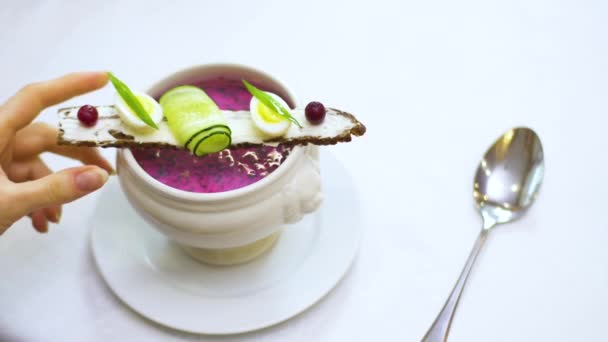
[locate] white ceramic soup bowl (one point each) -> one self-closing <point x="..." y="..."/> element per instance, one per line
<point x="234" y="226"/>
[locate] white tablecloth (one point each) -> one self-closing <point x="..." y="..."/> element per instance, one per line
<point x="435" y="81"/>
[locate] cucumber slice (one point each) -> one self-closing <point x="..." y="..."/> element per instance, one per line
<point x="211" y="143"/>
<point x="193" y="118"/>
<point x="204" y="132"/>
<point x="200" y="148"/>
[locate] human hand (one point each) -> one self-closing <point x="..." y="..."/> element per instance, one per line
<point x="27" y="185"/>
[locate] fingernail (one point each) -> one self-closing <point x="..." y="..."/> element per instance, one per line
<point x="91" y="179"/>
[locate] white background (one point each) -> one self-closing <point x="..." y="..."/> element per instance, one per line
<point x="435" y="82"/>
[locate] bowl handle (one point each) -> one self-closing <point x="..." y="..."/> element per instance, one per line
<point x="303" y="195"/>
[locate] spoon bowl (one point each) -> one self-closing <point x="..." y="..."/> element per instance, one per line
<point x="509" y="176"/>
<point x="506" y="184"/>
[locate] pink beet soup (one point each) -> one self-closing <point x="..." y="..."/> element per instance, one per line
<point x="223" y="171"/>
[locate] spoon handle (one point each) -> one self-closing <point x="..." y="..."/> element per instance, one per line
<point x="438" y="332"/>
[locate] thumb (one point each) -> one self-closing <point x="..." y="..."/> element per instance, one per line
<point x="61" y="187"/>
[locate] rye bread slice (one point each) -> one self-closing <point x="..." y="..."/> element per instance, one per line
<point x="109" y="131"/>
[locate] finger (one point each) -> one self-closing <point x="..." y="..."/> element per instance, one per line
<point x="41" y="137"/>
<point x="22" y="171"/>
<point x="6" y="145"/>
<point x="33" y="169"/>
<point x="58" y="188"/>
<point x="39" y="221"/>
<point x="18" y="172"/>
<point x="38" y="169"/>
<point x="24" y="106"/>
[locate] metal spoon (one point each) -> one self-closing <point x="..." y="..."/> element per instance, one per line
<point x="506" y="183"/>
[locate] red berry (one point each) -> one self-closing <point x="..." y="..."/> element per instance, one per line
<point x="88" y="115"/>
<point x="315" y="112"/>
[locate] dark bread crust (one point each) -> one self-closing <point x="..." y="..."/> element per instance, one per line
<point x="127" y="141"/>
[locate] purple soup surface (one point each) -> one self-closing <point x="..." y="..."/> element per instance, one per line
<point x="218" y="172"/>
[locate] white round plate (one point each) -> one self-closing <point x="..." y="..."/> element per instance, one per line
<point x="158" y="280"/>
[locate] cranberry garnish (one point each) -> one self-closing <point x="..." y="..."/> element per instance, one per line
<point x="315" y="112"/>
<point x="88" y="115"/>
